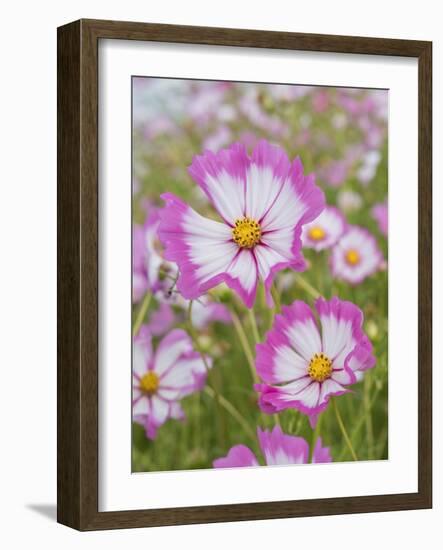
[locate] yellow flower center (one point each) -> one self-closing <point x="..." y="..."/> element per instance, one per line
<point x="320" y="367"/>
<point x="352" y="257"/>
<point x="246" y="233"/>
<point x="316" y="233"/>
<point x="149" y="383"/>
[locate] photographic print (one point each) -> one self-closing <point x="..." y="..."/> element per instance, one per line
<point x="259" y="274"/>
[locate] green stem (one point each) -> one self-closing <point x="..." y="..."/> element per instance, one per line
<point x="307" y="287"/>
<point x="245" y="344"/>
<point x="276" y="297"/>
<point x="194" y="337"/>
<point x="233" y="412"/>
<point x="360" y="423"/>
<point x="257" y="339"/>
<point x="315" y="435"/>
<point x="254" y="327"/>
<point x="343" y="430"/>
<point x="368" y="415"/>
<point x="141" y="313"/>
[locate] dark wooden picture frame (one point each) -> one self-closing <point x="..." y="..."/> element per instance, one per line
<point x="77" y="457"/>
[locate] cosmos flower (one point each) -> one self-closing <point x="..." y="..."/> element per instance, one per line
<point x="355" y="256"/>
<point x="325" y="230"/>
<point x="162" y="378"/>
<point x="380" y="214"/>
<point x="303" y="368"/>
<point x="277" y="449"/>
<point x="263" y="200"/>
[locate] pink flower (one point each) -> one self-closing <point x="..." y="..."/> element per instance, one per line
<point x="301" y="367"/>
<point x="355" y="256"/>
<point x="380" y="215"/>
<point x="335" y="173"/>
<point x="263" y="200"/>
<point x="325" y="230"/>
<point x="161" y="320"/>
<point x="277" y="449"/>
<point x="204" y="312"/>
<point x="146" y="260"/>
<point x="163" y="378"/>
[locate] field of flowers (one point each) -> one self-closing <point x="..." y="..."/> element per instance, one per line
<point x="260" y="281"/>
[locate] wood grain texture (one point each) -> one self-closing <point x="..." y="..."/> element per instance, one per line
<point x="77" y="172"/>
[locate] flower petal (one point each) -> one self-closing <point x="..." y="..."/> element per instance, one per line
<point x="170" y="349"/>
<point x="222" y="176"/>
<point x="321" y="454"/>
<point x="272" y="258"/>
<point x="141" y="352"/>
<point x="300" y="327"/>
<point x="238" y="456"/>
<point x="265" y="177"/>
<point x="202" y="248"/>
<point x="299" y="201"/>
<point x="341" y="323"/>
<point x="187" y="375"/>
<point x="276" y="361"/>
<point x="279" y="448"/>
<point x="242" y="275"/>
<point x="361" y="358"/>
<point x="302" y="394"/>
<point x="141" y="406"/>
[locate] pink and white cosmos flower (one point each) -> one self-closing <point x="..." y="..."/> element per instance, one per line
<point x="277" y="449"/>
<point x="163" y="378"/>
<point x="355" y="256"/>
<point x="302" y="367"/>
<point x="325" y="230"/>
<point x="263" y="200"/>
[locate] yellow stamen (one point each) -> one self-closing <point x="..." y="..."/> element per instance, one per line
<point x="317" y="233"/>
<point x="149" y="383"/>
<point x="320" y="367"/>
<point x="246" y="233"/>
<point x="352" y="257"/>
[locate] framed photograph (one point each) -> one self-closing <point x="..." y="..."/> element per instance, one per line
<point x="241" y="333"/>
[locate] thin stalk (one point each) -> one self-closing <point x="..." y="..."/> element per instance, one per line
<point x="141" y="313"/>
<point x="276" y="297"/>
<point x="343" y="430"/>
<point x="197" y="346"/>
<point x="359" y="424"/>
<point x="254" y="327"/>
<point x="229" y="407"/>
<point x="245" y="344"/>
<point x="315" y="436"/>
<point x="257" y="339"/>
<point x="307" y="287"/>
<point x="368" y="415"/>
